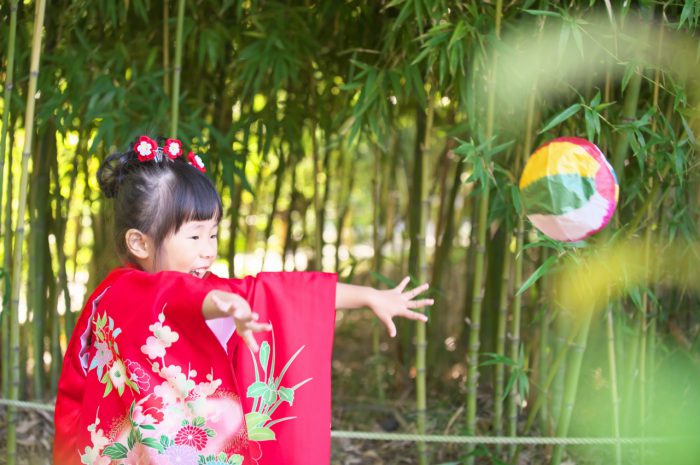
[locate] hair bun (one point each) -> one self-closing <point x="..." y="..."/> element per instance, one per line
<point x="113" y="170"/>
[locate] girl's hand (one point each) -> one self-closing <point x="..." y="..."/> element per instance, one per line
<point x="245" y="319"/>
<point x="387" y="304"/>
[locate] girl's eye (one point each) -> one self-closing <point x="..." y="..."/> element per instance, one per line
<point x="213" y="236"/>
<point x="194" y="237"/>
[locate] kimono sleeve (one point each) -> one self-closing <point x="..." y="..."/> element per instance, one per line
<point x="153" y="382"/>
<point x="286" y="387"/>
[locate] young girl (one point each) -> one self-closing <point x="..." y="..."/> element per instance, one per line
<point x="155" y="371"/>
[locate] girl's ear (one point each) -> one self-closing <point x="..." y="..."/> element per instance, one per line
<point x="137" y="244"/>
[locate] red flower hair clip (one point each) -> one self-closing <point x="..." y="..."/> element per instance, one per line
<point x="146" y="148"/>
<point x="195" y="161"/>
<point x="173" y="148"/>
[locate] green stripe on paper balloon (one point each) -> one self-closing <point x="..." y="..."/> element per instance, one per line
<point x="557" y="194"/>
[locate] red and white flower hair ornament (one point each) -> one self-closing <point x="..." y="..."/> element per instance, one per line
<point x="146" y="148"/>
<point x="195" y="161"/>
<point x="173" y="148"/>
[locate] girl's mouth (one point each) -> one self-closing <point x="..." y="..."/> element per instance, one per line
<point x="198" y="272"/>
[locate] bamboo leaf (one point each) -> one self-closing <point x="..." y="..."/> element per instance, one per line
<point x="561" y="117"/>
<point x="383" y="279"/>
<point x="630" y="71"/>
<point x="552" y="14"/>
<point x="539" y="272"/>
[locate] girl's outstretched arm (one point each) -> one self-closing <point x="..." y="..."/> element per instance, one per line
<point x="219" y="304"/>
<point x="386" y="304"/>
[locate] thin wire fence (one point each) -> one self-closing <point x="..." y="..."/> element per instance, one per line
<point x="493" y="440"/>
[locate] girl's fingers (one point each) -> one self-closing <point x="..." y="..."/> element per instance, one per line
<point x="243" y="315"/>
<point x="402" y="285"/>
<point x="259" y="327"/>
<point x="419" y="303"/>
<point x="413" y="315"/>
<point x="220" y="304"/>
<point x="390" y="326"/>
<point x="250" y="341"/>
<point x="417" y="290"/>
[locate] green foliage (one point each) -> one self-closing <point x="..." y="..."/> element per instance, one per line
<point x="320" y="91"/>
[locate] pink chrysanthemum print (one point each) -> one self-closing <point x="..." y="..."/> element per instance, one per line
<point x="193" y="436"/>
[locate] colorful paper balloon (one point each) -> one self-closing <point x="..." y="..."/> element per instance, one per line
<point x="569" y="189"/>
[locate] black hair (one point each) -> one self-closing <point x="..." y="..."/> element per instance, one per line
<point x="155" y="197"/>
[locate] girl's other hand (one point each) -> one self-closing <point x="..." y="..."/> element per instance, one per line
<point x="245" y="319"/>
<point x="387" y="304"/>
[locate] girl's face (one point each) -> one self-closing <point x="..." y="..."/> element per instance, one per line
<point x="192" y="249"/>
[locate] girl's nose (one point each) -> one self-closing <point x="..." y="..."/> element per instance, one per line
<point x="209" y="249"/>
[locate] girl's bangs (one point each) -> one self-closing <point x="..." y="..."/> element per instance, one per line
<point x="202" y="204"/>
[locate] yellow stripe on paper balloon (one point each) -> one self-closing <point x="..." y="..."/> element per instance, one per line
<point x="558" y="158"/>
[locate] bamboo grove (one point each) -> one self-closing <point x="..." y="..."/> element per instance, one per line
<point x="334" y="127"/>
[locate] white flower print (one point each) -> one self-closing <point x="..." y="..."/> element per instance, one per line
<point x="154" y="348"/>
<point x="118" y="375"/>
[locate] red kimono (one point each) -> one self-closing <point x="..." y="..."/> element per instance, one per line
<point x="146" y="380"/>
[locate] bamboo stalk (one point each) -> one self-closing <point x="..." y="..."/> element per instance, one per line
<point x="613" y="382"/>
<point x="279" y="177"/>
<point x="59" y="229"/>
<point x="558" y="366"/>
<point x="561" y="345"/>
<point x="571" y="385"/>
<point x="177" y="70"/>
<point x="327" y="187"/>
<point x="7" y="267"/>
<point x="518" y="270"/>
<point x="631" y="374"/>
<point x="421" y="274"/>
<point x="289" y="218"/>
<point x="416" y="232"/>
<point x="54" y="332"/>
<point x="7" y="99"/>
<point x="235" y="209"/>
<point x="318" y="232"/>
<point x="544" y="353"/>
<point x="377" y="205"/>
<point x="344" y="196"/>
<point x="9" y="83"/>
<point x="478" y="293"/>
<point x="19" y="233"/>
<point x="406" y="329"/>
<point x="440" y="314"/>
<point x="501" y="324"/>
<point x="645" y="320"/>
<point x="39" y="253"/>
<point x="166" y="47"/>
<point x="629" y="112"/>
